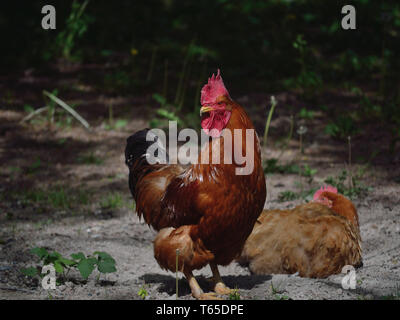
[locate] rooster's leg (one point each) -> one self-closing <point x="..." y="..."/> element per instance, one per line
<point x="219" y="285"/>
<point x="194" y="286"/>
<point x="196" y="290"/>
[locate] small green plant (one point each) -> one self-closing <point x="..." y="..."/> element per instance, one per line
<point x="308" y="172"/>
<point x="394" y="296"/>
<point x="54" y="197"/>
<point x="84" y="264"/>
<point x="58" y="198"/>
<point x="166" y="112"/>
<point x="287" y="196"/>
<point x="90" y="158"/>
<point x="306" y="114"/>
<point x="309" y="81"/>
<point x="234" y="294"/>
<point x="272" y="166"/>
<point x="112" y="124"/>
<point x="60" y="118"/>
<point x="112" y="201"/>
<point x="142" y="293"/>
<point x="281" y="297"/>
<point x="75" y="27"/>
<point x="341" y="128"/>
<point x="35" y="166"/>
<point x="355" y="189"/>
<point x="277" y="294"/>
<point x="290" y="195"/>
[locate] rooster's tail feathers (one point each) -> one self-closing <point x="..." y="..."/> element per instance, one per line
<point x="136" y="155"/>
<point x="138" y="144"/>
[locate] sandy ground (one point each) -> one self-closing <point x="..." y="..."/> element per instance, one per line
<point x="120" y="233"/>
<point x="130" y="242"/>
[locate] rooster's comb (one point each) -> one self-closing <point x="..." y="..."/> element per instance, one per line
<point x="213" y="89"/>
<point x="324" y="189"/>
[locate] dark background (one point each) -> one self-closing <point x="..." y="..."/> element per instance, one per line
<point x="170" y="47"/>
<point x="117" y="61"/>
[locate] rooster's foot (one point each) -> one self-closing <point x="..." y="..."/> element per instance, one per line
<point x="221" y="288"/>
<point x="209" y="296"/>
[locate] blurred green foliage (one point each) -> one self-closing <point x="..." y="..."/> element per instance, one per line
<point x="275" y="39"/>
<point x="167" y="48"/>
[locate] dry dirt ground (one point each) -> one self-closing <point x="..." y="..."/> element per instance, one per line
<point x="89" y="223"/>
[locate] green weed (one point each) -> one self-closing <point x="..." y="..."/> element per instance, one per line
<point x="234" y="294"/>
<point x="351" y="190"/>
<point x="85" y="264"/>
<point x="112" y="201"/>
<point x="306" y="114"/>
<point x="55" y="197"/>
<point x="142" y="293"/>
<point x="90" y="158"/>
<point x="287" y="196"/>
<point x="75" y="27"/>
<point x="60" y="117"/>
<point x="277" y="295"/>
<point x="272" y="166"/>
<point x="308" y="80"/>
<point x="393" y="296"/>
<point x="342" y="127"/>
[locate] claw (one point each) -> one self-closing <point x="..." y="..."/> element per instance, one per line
<point x="209" y="296"/>
<point x="221" y="288"/>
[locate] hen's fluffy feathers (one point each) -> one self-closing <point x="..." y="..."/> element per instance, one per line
<point x="310" y="239"/>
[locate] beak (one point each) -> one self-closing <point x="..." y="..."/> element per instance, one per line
<point x="205" y="109"/>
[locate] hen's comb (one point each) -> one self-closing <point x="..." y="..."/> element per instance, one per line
<point x="324" y="189"/>
<point x="213" y="89"/>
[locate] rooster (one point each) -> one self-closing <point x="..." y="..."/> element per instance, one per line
<point x="206" y="211"/>
<point x="315" y="239"/>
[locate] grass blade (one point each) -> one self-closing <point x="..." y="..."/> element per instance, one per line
<point x="271" y="111"/>
<point x="67" y="108"/>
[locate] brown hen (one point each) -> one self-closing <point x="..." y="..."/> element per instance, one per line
<point x="315" y="239"/>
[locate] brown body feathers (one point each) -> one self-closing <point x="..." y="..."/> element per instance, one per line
<point x="310" y="239"/>
<point x="204" y="210"/>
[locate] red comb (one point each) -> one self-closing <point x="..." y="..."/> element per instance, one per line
<point x="324" y="189"/>
<point x="213" y="89"/>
